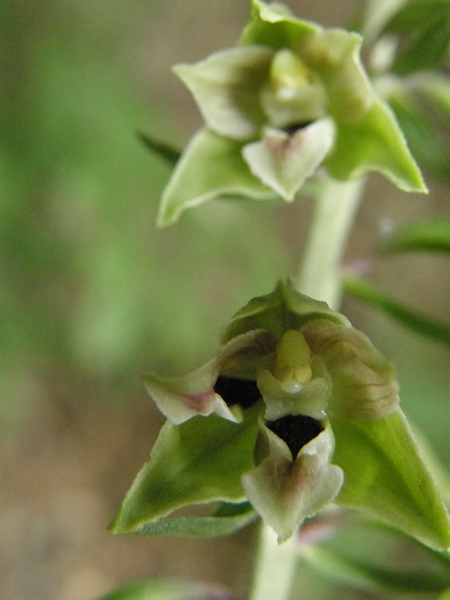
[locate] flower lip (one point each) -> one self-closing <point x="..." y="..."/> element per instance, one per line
<point x="236" y="391"/>
<point x="296" y="431"/>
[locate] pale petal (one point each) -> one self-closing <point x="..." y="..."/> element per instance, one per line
<point x="284" y="162"/>
<point x="180" y="398"/>
<point x="226" y="86"/>
<point x="285" y="492"/>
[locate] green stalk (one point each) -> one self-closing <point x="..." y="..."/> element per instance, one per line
<point x="319" y="277"/>
<point x="274" y="568"/>
<point x="335" y="207"/>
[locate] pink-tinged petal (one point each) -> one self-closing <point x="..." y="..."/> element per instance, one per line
<point x="364" y="382"/>
<point x="284" y="162"/>
<point x="285" y="491"/>
<point x="180" y="398"/>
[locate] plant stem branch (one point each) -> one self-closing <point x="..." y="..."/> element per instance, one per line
<point x="319" y="274"/>
<point x="319" y="277"/>
<point x="275" y="567"/>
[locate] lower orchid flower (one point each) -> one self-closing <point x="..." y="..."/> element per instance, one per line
<point x="297" y="410"/>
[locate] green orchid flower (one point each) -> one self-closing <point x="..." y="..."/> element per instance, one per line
<point x="297" y="410"/>
<point x="289" y="98"/>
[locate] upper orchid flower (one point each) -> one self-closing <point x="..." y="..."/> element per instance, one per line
<point x="289" y="98"/>
<point x="297" y="410"/>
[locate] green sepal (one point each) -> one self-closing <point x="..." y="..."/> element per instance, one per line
<point x="226" y="520"/>
<point x="211" y="166"/>
<point x="283" y="309"/>
<point x="386" y="474"/>
<point x="432" y="234"/>
<point x="332" y="53"/>
<point x="335" y="55"/>
<point x="275" y="26"/>
<point x="159" y="588"/>
<point x="439" y="331"/>
<point x="197" y="462"/>
<point x="374" y="143"/>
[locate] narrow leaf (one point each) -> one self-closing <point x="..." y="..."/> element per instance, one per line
<point x="425" y="123"/>
<point x="368" y="576"/>
<point x="205" y="527"/>
<point x="426" y="234"/>
<point x="156" y="588"/>
<point x="371" y="578"/>
<point x="197" y="462"/>
<point x="361" y="289"/>
<point x="165" y="151"/>
<point x="426" y="26"/>
<point x="386" y="474"/>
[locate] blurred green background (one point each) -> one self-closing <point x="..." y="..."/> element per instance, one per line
<point x="92" y="295"/>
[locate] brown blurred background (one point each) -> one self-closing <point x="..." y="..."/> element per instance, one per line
<point x="92" y="295"/>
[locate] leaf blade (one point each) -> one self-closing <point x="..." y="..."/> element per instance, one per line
<point x="437" y="330"/>
<point x="431" y="234"/>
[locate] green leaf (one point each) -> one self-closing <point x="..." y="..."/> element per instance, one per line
<point x="375" y="143"/>
<point x="197" y="462"/>
<point x="211" y="166"/>
<point x="275" y="26"/>
<point x="426" y="125"/>
<point x="165" y="151"/>
<point x="385" y="474"/>
<point x="166" y="589"/>
<point x="361" y="289"/>
<point x="364" y="555"/>
<point x="427" y="234"/>
<point x="426" y="26"/>
<point x="226" y="520"/>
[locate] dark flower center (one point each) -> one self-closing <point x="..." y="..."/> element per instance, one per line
<point x="296" y="431"/>
<point x="291" y="129"/>
<point x="243" y="392"/>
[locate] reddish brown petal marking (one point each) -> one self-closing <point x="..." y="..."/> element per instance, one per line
<point x="199" y="402"/>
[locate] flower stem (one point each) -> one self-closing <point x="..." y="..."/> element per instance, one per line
<point x="319" y="274"/>
<point x="275" y="567"/>
<point x="319" y="277"/>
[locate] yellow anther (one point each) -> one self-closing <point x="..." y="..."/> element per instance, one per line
<point x="293" y="357"/>
<point x="288" y="71"/>
<point x="303" y="374"/>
